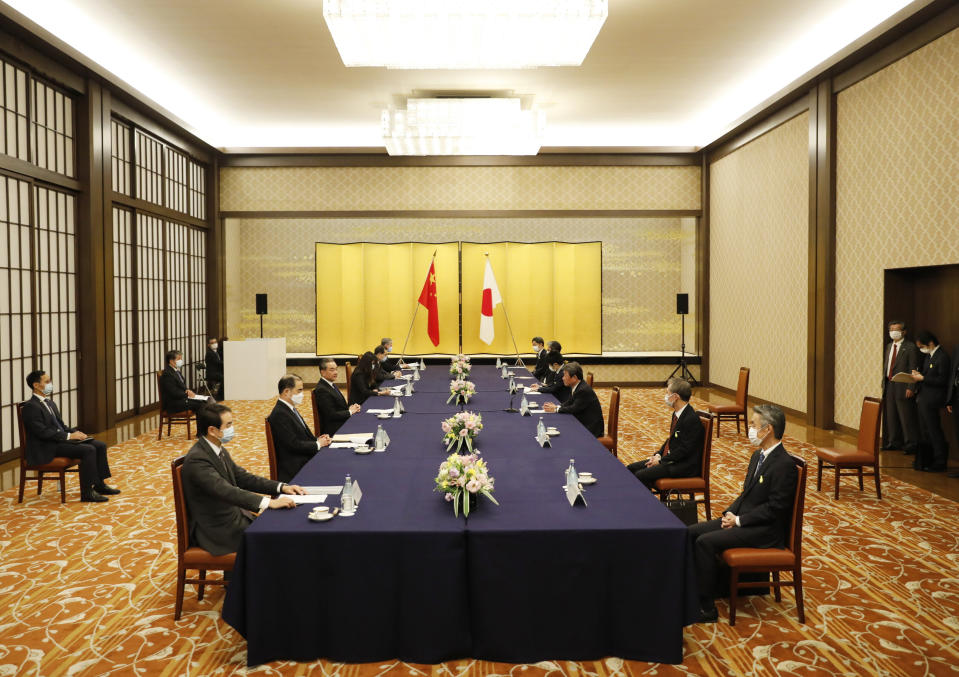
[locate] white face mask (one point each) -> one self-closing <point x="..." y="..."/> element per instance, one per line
<point x="214" y="346"/>
<point x="228" y="435"/>
<point x="179" y="363"/>
<point x="924" y="350"/>
<point x="668" y="401"/>
<point x="895" y="335"/>
<point x="48" y="389"/>
<point x="389" y="349"/>
<point x="297" y="399"/>
<point x="535" y="348"/>
<point x="754" y="438"/>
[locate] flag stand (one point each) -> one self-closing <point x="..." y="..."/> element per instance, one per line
<point x="416" y="309"/>
<point x="519" y="360"/>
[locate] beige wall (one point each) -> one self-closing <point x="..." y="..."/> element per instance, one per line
<point x="486" y="188"/>
<point x="645" y="262"/>
<point x="759" y="222"/>
<point x="897" y="200"/>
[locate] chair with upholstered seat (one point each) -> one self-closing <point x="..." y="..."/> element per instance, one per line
<point x="192" y="558"/>
<point x="693" y="485"/>
<point x="773" y="560"/>
<point x="185" y="417"/>
<point x="733" y="412"/>
<point x="349" y="377"/>
<point x="589" y="379"/>
<point x="270" y="449"/>
<point x="866" y="453"/>
<point x="58" y="467"/>
<point x="611" y="439"/>
<point x="317" y="421"/>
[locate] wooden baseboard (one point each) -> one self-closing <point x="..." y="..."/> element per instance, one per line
<point x="753" y="401"/>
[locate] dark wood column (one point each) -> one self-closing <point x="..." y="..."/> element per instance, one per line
<point x="821" y="323"/>
<point x="95" y="262"/>
<point x="702" y="275"/>
<point x="215" y="271"/>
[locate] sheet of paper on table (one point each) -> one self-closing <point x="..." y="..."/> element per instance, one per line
<point x="353" y="437"/>
<point x="380" y="411"/>
<point x="538" y="411"/>
<point x="532" y="392"/>
<point x="344" y="445"/>
<point x="309" y="498"/>
<point x="201" y="398"/>
<point x="333" y="490"/>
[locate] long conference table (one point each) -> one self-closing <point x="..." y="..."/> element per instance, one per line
<point x="530" y="579"/>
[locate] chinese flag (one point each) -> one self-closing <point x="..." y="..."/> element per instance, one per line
<point x="428" y="300"/>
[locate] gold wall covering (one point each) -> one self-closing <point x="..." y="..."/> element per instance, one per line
<point x="418" y="188"/>
<point x="645" y="263"/>
<point x="897" y="200"/>
<point x="759" y="223"/>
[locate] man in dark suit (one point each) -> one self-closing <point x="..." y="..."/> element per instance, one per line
<point x="582" y="402"/>
<point x="759" y="517"/>
<point x="933" y="383"/>
<point x="952" y="396"/>
<point x="553" y="381"/>
<point x="48" y="437"/>
<point x="682" y="453"/>
<point x="293" y="441"/>
<point x="214" y="367"/>
<point x="391" y="364"/>
<point x="221" y="497"/>
<point x="900" y="420"/>
<point x="382" y="363"/>
<point x="539" y="350"/>
<point x="176" y="396"/>
<point x="330" y="402"/>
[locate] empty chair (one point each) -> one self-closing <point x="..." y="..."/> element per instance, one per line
<point x="772" y="560"/>
<point x="733" y="411"/>
<point x="58" y="467"/>
<point x="192" y="558"/>
<point x="866" y="453"/>
<point x="693" y="485"/>
<point x="611" y="439"/>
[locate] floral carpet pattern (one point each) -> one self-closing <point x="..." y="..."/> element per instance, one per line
<point x="88" y="589"/>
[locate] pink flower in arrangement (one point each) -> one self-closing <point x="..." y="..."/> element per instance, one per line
<point x="470" y="425"/>
<point x="463" y="432"/>
<point x="449" y="496"/>
<point x="454" y="473"/>
<point x="445" y="426"/>
<point x="473" y="486"/>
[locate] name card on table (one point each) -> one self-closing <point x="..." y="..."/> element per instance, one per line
<point x="357" y="494"/>
<point x="543" y="440"/>
<point x="524" y="407"/>
<point x="574" y="494"/>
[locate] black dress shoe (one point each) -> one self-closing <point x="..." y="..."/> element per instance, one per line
<point x="934" y="468"/>
<point x="106" y="490"/>
<point x="953" y="474"/>
<point x="708" y="615"/>
<point x="93" y="496"/>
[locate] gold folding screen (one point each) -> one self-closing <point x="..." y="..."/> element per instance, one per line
<point x="365" y="291"/>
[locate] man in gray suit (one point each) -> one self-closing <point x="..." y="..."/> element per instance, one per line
<point x="221" y="497"/>
<point x="900" y="421"/>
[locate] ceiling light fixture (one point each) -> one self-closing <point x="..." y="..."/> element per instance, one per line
<point x="447" y="34"/>
<point x="487" y="126"/>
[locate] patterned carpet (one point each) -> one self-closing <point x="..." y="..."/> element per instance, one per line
<point x="88" y="589"/>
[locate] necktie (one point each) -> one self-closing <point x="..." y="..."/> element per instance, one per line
<point x="302" y="421"/>
<point x="892" y="362"/>
<point x="762" y="457"/>
<point x="56" y="419"/>
<point x="179" y="375"/>
<point x="672" y="428"/>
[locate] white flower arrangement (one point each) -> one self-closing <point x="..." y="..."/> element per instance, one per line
<point x="461" y="391"/>
<point x="461" y="429"/>
<point x="463" y="478"/>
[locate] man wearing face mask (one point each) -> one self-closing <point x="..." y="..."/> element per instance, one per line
<point x="900" y="422"/>
<point x="541" y="370"/>
<point x="759" y="517"/>
<point x="176" y="396"/>
<point x="293" y="441"/>
<point x="553" y="381"/>
<point x="221" y="496"/>
<point x="214" y="367"/>
<point x="48" y="437"/>
<point x="382" y="361"/>
<point x="933" y="383"/>
<point x="682" y="453"/>
<point x="391" y="364"/>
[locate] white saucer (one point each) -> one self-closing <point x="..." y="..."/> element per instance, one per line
<point x="587" y="480"/>
<point x="552" y="433"/>
<point x="362" y="452"/>
<point x="322" y="517"/>
<point x="384" y="415"/>
<point x="347" y="514"/>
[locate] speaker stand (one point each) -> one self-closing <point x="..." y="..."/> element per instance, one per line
<point x="261" y="326"/>
<point x="682" y="367"/>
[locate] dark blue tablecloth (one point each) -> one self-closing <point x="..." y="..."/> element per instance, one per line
<point x="528" y="580"/>
<point x="437" y="378"/>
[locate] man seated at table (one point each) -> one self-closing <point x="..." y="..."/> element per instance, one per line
<point x="48" y="437"/>
<point x="392" y="364"/>
<point x="582" y="401"/>
<point x="759" y="517"/>
<point x="330" y="402"/>
<point x="221" y="497"/>
<point x="542" y="366"/>
<point x="553" y="381"/>
<point x="682" y="453"/>
<point x="176" y="396"/>
<point x="554" y="347"/>
<point x="293" y="441"/>
<point x="382" y="360"/>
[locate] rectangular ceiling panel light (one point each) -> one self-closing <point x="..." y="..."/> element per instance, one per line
<point x="493" y="126"/>
<point x="464" y="34"/>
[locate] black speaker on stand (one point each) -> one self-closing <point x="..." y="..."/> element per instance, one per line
<point x="261" y="310"/>
<point x="682" y="309"/>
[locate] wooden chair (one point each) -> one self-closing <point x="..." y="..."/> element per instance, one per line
<point x="865" y="454"/>
<point x="349" y="378"/>
<point x="317" y="421"/>
<point x="58" y="467"/>
<point x="734" y="411"/>
<point x="270" y="449"/>
<point x="589" y="379"/>
<point x="693" y="485"/>
<point x="611" y="440"/>
<point x="773" y="560"/>
<point x="192" y="558"/>
<point x="184" y="417"/>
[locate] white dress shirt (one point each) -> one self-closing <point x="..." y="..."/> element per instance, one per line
<point x="265" y="501"/>
<point x="297" y="413"/>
